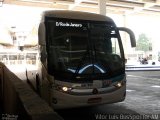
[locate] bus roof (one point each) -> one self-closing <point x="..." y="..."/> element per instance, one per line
<point x="76" y="15"/>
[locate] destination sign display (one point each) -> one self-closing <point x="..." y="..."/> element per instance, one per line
<point x="68" y="24"/>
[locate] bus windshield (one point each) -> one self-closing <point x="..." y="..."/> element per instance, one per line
<point x="83" y="49"/>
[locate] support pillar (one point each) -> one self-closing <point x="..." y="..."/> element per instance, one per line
<point x="102" y="7"/>
<point x="125" y="37"/>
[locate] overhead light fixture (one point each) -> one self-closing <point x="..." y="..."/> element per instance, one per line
<point x="36" y="1"/>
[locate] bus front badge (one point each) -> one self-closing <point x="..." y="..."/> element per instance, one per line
<point x="95" y="91"/>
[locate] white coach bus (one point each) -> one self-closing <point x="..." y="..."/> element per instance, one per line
<point x="81" y="60"/>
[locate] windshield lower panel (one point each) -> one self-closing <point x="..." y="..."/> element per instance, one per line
<point x="83" y="50"/>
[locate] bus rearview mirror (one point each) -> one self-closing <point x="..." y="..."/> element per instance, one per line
<point x="131" y="34"/>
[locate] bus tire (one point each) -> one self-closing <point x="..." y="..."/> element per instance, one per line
<point x="37" y="84"/>
<point x="27" y="77"/>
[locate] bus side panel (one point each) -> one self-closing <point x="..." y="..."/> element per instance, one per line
<point x="45" y="84"/>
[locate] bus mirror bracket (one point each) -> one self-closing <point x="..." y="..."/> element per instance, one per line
<point x="41" y="34"/>
<point x="131" y="34"/>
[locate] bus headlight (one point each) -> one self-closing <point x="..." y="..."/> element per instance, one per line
<point x="65" y="89"/>
<point x="118" y="85"/>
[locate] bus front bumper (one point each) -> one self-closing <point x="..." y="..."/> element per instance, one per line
<point x="61" y="100"/>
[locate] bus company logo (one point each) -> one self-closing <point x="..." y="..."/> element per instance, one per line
<point x="95" y="91"/>
<point x="62" y="24"/>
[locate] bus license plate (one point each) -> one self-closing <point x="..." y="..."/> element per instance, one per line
<point x="94" y="100"/>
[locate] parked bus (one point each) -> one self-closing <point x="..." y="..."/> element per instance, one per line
<point x="15" y="58"/>
<point x="81" y="60"/>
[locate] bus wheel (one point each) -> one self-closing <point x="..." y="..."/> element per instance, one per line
<point x="38" y="84"/>
<point x="27" y="77"/>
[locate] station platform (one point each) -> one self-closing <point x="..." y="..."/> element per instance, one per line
<point x="136" y="66"/>
<point x="18" y="100"/>
<point x="142" y="67"/>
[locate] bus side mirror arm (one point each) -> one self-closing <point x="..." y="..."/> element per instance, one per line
<point x="131" y="34"/>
